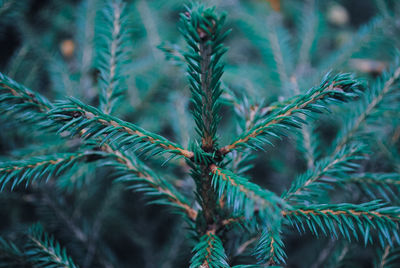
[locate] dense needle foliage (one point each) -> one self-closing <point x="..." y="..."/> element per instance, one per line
<point x="282" y="151"/>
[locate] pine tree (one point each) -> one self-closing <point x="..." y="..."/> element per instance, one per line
<point x="71" y="159"/>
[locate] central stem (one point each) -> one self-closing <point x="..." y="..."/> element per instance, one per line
<point x="207" y="193"/>
<point x="206" y="75"/>
<point x="208" y="198"/>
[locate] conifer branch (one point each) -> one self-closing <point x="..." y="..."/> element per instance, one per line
<point x="226" y="203"/>
<point x="375" y="179"/>
<point x="310" y="145"/>
<point x="387" y="257"/>
<point x="349" y="220"/>
<point x="333" y="88"/>
<point x="42" y="167"/>
<point x="132" y="170"/>
<point x="43" y="251"/>
<point x="232" y="221"/>
<point x="245" y="245"/>
<point x="202" y="30"/>
<point x="308" y="31"/>
<point x="270" y="247"/>
<point x="308" y="141"/>
<point x="149" y="23"/>
<point x="52" y="165"/>
<point x="375" y="185"/>
<point x="112" y="56"/>
<point x="21" y="102"/>
<point x="369" y="105"/>
<point x="273" y="42"/>
<point x="89" y="122"/>
<point x="209" y="252"/>
<point x="326" y="171"/>
<point x="244" y="196"/>
<point x="279" y="42"/>
<point x="86" y="26"/>
<point x="248" y="115"/>
<point x="173" y="52"/>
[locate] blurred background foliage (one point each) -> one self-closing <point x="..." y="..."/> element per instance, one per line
<point x="48" y="45"/>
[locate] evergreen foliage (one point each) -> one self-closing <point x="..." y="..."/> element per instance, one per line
<point x="112" y="54"/>
<point x="209" y="252"/>
<point x="43" y="251"/>
<point x="44" y="167"/>
<point x="281" y="138"/>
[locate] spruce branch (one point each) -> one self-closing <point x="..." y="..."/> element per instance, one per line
<point x="308" y="33"/>
<point x="387" y="257"/>
<point x="349" y="220"/>
<point x="375" y="185"/>
<point x="308" y="141"/>
<point x="326" y="171"/>
<point x="21" y="102"/>
<point x="112" y="56"/>
<point x="308" y="144"/>
<point x="339" y="256"/>
<point x="43" y="250"/>
<point x="273" y="43"/>
<point x="173" y="53"/>
<point x="61" y="212"/>
<point x="279" y="40"/>
<point x="48" y="166"/>
<point x="270" y="247"/>
<point x="149" y="21"/>
<point x="42" y="167"/>
<point x="375" y="178"/>
<point x="85" y="26"/>
<point x="132" y="171"/>
<point x="245" y="245"/>
<point x="278" y="105"/>
<point x="202" y="30"/>
<point x="88" y="122"/>
<point x="369" y="105"/>
<point x="244" y="196"/>
<point x="209" y="252"/>
<point x="232" y="221"/>
<point x="336" y="88"/>
<point x="58" y="207"/>
<point x="227" y="203"/>
<point x="325" y="254"/>
<point x="248" y="115"/>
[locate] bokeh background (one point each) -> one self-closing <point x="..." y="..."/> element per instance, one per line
<point x="48" y="45"/>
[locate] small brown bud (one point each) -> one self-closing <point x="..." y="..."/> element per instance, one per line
<point x="202" y="34"/>
<point x="67" y="48"/>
